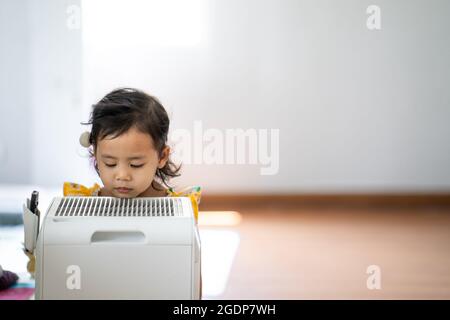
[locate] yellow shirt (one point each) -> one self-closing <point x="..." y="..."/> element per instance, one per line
<point x="193" y="192"/>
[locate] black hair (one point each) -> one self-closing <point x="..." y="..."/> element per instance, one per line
<point x="124" y="108"/>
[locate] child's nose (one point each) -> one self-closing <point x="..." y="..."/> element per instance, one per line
<point x="123" y="174"/>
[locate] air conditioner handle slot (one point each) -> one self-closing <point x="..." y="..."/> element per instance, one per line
<point x="105" y="237"/>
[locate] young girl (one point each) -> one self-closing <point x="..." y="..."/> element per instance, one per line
<point x="128" y="145"/>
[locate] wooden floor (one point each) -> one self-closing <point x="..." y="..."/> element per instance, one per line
<point x="321" y="252"/>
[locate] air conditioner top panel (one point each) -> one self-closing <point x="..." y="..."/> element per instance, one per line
<point x="108" y="220"/>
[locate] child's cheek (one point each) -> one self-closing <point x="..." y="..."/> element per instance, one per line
<point x="106" y="177"/>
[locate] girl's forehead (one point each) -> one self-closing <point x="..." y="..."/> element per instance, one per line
<point x="132" y="141"/>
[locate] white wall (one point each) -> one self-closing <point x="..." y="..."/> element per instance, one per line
<point x="56" y="90"/>
<point x="15" y="117"/>
<point x="357" y="110"/>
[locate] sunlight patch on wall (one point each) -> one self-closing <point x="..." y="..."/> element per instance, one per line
<point x="143" y="23"/>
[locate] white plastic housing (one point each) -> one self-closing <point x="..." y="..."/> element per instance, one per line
<point x="110" y="248"/>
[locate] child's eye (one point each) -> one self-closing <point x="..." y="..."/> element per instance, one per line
<point x="132" y="165"/>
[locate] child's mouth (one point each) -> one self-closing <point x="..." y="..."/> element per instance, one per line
<point x="123" y="190"/>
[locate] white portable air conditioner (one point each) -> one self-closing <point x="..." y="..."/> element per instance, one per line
<point x="112" y="248"/>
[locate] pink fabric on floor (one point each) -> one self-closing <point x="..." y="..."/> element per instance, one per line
<point x="16" y="294"/>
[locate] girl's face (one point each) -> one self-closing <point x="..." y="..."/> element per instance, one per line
<point x="127" y="164"/>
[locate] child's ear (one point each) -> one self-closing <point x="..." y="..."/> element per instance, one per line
<point x="164" y="157"/>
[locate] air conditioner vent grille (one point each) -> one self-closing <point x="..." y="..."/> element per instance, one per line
<point x="119" y="207"/>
